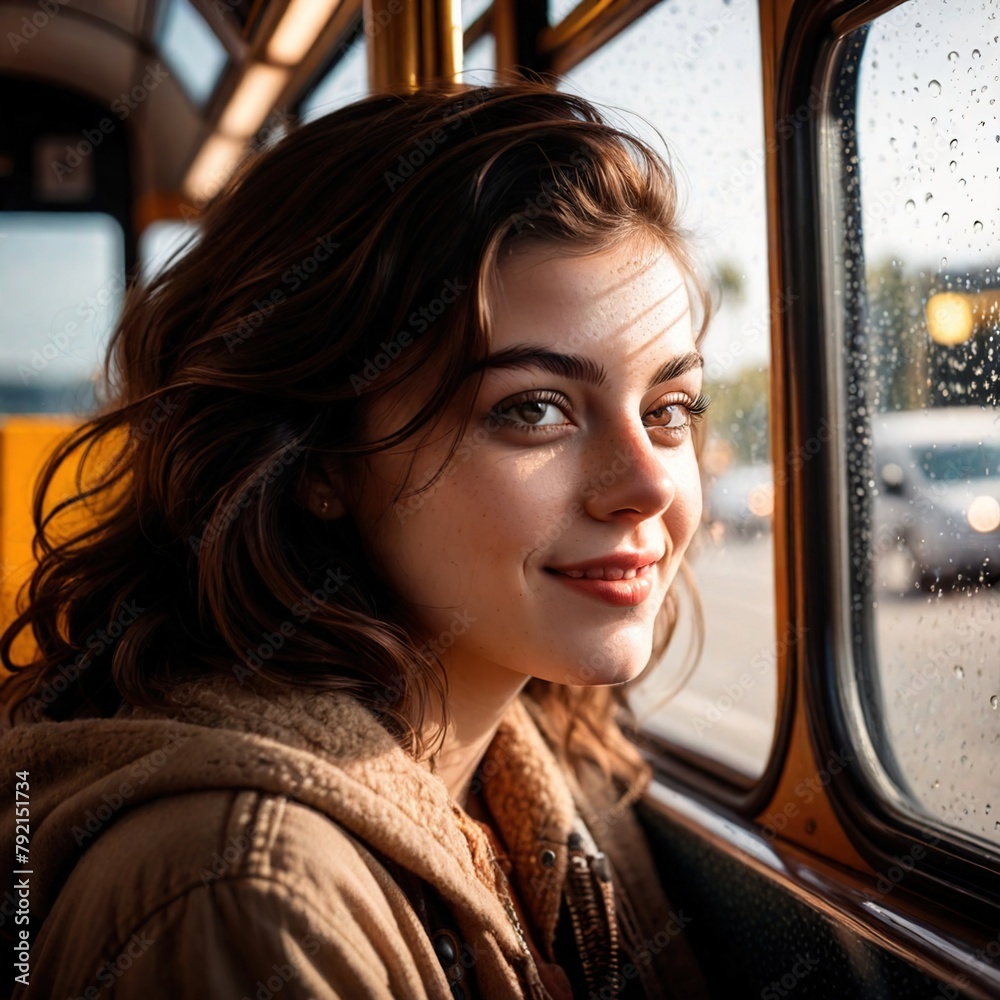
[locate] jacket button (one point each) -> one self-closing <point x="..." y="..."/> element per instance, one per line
<point x="547" y="859"/>
<point x="446" y="948"/>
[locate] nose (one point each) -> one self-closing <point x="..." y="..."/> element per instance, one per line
<point x="630" y="474"/>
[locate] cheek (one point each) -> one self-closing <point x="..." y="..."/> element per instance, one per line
<point x="687" y="506"/>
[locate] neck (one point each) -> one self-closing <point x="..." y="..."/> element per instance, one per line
<point x="479" y="693"/>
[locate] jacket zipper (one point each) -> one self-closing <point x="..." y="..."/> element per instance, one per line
<point x="591" y="904"/>
<point x="538" y="991"/>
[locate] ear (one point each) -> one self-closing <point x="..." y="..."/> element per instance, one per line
<point x="323" y="491"/>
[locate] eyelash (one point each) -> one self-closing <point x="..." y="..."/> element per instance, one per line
<point x="696" y="410"/>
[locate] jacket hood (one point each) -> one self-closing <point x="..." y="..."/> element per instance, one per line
<point x="325" y="750"/>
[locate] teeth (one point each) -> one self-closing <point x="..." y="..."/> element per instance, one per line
<point x="605" y="573"/>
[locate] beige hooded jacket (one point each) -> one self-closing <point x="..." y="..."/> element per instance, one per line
<point x="247" y="848"/>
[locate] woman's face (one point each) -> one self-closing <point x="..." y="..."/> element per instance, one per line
<point x="555" y="471"/>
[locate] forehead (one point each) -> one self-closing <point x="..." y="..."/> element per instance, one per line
<point x="610" y="303"/>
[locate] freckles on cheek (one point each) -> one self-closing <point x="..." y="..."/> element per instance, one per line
<point x="498" y="511"/>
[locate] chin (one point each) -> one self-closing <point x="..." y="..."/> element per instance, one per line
<point x="601" y="665"/>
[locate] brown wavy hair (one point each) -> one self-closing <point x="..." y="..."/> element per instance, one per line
<point x="235" y="371"/>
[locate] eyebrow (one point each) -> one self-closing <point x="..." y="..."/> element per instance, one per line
<point x="576" y="366"/>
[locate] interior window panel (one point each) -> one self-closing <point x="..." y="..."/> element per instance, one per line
<point x="347" y="81"/>
<point x="194" y="52"/>
<point x="559" y="10"/>
<point x="921" y="418"/>
<point x="62" y="281"/>
<point x="472" y="10"/>
<point x="710" y="52"/>
<point x="480" y="62"/>
<point x="163" y="242"/>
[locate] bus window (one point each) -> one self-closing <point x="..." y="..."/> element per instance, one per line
<point x="480" y="62"/>
<point x="192" y="48"/>
<point x="559" y="10"/>
<point x="921" y="411"/>
<point x="472" y="10"/>
<point x="62" y="280"/>
<point x="344" y="82"/>
<point x="159" y="242"/>
<point x="712" y="52"/>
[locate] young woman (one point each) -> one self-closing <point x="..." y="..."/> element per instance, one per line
<point x="387" y="502"/>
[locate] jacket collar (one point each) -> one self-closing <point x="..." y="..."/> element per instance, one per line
<point x="390" y="801"/>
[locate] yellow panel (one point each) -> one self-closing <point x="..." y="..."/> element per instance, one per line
<point x="25" y="444"/>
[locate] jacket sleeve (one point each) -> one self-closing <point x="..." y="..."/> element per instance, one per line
<point x="250" y="939"/>
<point x="301" y="916"/>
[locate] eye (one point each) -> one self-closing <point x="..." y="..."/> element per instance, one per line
<point x="676" y="415"/>
<point x="533" y="411"/>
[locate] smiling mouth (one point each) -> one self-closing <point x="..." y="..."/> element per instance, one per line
<point x="620" y="588"/>
<point x="610" y="573"/>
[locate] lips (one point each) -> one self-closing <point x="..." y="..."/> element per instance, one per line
<point x="623" y="579"/>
